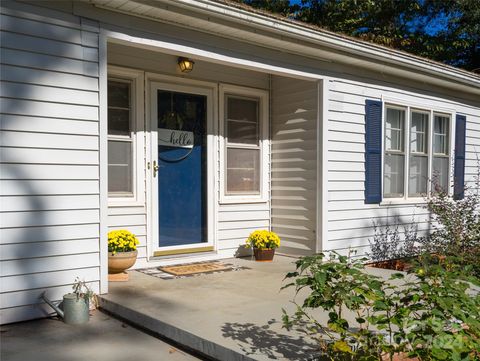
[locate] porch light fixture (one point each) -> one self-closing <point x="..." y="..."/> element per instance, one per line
<point x="185" y="64"/>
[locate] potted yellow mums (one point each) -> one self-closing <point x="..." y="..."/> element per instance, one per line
<point x="263" y="243"/>
<point x="122" y="250"/>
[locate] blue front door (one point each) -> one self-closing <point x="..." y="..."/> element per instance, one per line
<point x="182" y="159"/>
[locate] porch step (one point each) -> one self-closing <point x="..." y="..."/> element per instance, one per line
<point x="191" y="341"/>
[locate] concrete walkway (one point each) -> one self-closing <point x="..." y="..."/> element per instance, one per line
<point x="103" y="338"/>
<point x="228" y="316"/>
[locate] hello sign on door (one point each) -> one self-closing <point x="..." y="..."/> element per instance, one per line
<point x="175" y="138"/>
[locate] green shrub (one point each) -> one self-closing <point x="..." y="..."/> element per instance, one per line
<point x="456" y="228"/>
<point x="429" y="314"/>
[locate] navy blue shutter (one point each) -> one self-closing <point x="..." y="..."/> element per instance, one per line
<point x="373" y="151"/>
<point x="459" y="170"/>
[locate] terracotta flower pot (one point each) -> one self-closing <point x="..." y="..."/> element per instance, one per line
<point x="121" y="261"/>
<point x="264" y="255"/>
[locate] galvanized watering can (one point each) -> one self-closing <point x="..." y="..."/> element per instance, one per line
<point x="75" y="308"/>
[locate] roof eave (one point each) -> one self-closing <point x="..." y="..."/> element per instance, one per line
<point x="290" y="31"/>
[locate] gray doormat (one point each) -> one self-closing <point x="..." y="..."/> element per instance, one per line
<point x="190" y="269"/>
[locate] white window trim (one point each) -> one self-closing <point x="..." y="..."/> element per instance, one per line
<point x="431" y="110"/>
<point x="262" y="95"/>
<point x="136" y="78"/>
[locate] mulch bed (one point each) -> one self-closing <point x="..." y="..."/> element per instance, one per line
<point x="404" y="264"/>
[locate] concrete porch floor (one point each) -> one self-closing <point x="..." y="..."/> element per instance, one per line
<point x="227" y="316"/>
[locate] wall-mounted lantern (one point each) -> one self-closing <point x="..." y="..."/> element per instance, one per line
<point x="185" y="64"/>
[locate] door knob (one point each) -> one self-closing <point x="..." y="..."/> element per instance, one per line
<point x="155" y="168"/>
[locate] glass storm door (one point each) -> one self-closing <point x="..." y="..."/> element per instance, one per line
<point x="181" y="121"/>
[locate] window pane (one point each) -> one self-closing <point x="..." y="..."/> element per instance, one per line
<point x="242" y="132"/>
<point x="394" y="129"/>
<point x="417" y="180"/>
<point x="242" y="121"/>
<point x="243" y="170"/>
<point x="118" y="121"/>
<point x="440" y="135"/>
<point x="118" y="108"/>
<point x="440" y="174"/>
<point x="242" y="109"/>
<point x="393" y="180"/>
<point x="118" y="94"/>
<point x="119" y="167"/>
<point x="418" y="133"/>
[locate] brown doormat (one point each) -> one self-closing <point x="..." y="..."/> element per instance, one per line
<point x="190" y="269"/>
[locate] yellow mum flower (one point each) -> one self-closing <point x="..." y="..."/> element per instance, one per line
<point x="122" y="241"/>
<point x="263" y="239"/>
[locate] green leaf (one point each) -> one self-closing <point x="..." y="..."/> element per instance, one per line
<point x="380" y="305"/>
<point x="339" y="326"/>
<point x="360" y="320"/>
<point x="396" y="276"/>
<point x="342" y="346"/>
<point x="320" y="278"/>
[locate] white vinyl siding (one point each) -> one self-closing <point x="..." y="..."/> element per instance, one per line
<point x="49" y="221"/>
<point x="349" y="218"/>
<point x="294" y="164"/>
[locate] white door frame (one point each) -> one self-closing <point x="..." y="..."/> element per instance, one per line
<point x="155" y="82"/>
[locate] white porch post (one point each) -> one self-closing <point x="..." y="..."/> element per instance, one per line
<point x="322" y="165"/>
<point x="103" y="160"/>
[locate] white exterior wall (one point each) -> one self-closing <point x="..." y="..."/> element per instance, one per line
<point x="294" y="164"/>
<point x="349" y="219"/>
<point x="49" y="221"/>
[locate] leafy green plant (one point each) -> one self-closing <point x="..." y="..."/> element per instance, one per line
<point x="440" y="312"/>
<point x="429" y="314"/>
<point x="456" y="227"/>
<point x="82" y="290"/>
<point x="338" y="286"/>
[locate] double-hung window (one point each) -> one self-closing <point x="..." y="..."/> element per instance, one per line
<point x="412" y="152"/>
<point x="418" y="158"/>
<point x="416" y="152"/>
<point x="120" y="138"/>
<point x="441" y="151"/>
<point x="242" y="145"/>
<point x="244" y="129"/>
<point x="394" y="167"/>
<point x="125" y="130"/>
